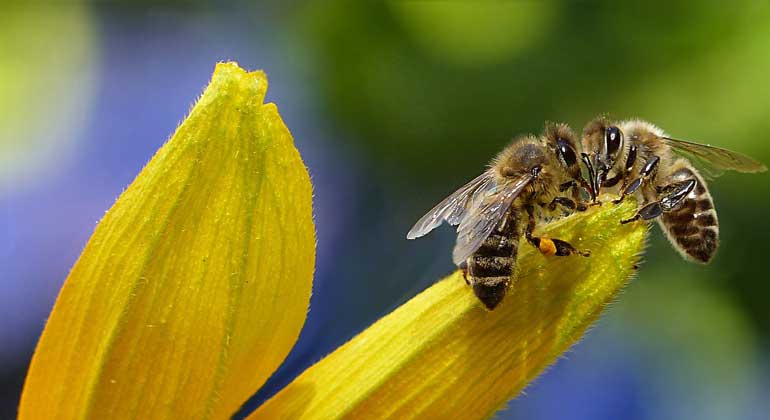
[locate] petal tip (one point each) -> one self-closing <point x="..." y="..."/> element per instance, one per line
<point x="229" y="76"/>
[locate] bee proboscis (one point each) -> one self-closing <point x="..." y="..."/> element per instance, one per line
<point x="636" y="157"/>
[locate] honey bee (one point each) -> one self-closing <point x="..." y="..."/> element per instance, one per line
<point x="660" y="171"/>
<point x="523" y="184"/>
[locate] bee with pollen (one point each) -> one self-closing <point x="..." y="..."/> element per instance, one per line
<point x="531" y="178"/>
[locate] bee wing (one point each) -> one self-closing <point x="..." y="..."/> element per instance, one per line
<point x="453" y="207"/>
<point x="484" y="215"/>
<point x="714" y="160"/>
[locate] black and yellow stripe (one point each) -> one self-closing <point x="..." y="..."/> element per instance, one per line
<point x="490" y="268"/>
<point x="693" y="227"/>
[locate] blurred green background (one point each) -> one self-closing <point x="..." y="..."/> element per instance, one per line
<point x="394" y="105"/>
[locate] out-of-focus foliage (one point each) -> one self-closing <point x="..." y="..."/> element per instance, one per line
<point x="430" y="78"/>
<point x="694" y="333"/>
<point x="500" y="30"/>
<point x="45" y="75"/>
<point x="394" y="105"/>
<point x="438" y="113"/>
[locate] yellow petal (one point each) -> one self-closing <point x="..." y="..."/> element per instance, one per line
<point x="195" y="285"/>
<point x="442" y="355"/>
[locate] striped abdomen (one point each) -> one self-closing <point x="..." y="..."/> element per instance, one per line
<point x="491" y="266"/>
<point x="692" y="227"/>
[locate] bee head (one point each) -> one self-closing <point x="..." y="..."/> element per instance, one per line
<point x="611" y="147"/>
<point x="560" y="140"/>
<point x="524" y="155"/>
<point x="603" y="145"/>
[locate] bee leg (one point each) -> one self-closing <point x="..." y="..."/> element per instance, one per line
<point x="569" y="204"/>
<point x="647" y="173"/>
<point x="630" y="189"/>
<point x="548" y="246"/>
<point x="565" y="202"/>
<point x="564" y="248"/>
<point x="555" y="247"/>
<point x="567" y="185"/>
<point x="671" y="196"/>
<point x="674" y="194"/>
<point x="630" y="162"/>
<point x="611" y="182"/>
<point x="575" y="187"/>
<point x="649" y="211"/>
<point x="590" y="187"/>
<point x="464" y="268"/>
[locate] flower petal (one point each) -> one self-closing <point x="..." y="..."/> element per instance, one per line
<point x="442" y="355"/>
<point x="195" y="285"/>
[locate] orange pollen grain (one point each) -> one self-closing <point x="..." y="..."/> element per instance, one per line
<point x="547" y="247"/>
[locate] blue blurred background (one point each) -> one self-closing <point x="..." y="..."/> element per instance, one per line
<point x="393" y="106"/>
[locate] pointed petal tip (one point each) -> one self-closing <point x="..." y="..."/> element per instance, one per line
<point x="173" y="307"/>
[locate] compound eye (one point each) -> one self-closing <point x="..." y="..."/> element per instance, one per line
<point x="566" y="152"/>
<point x="613" y="141"/>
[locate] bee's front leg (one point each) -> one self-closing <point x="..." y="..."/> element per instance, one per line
<point x="630" y="162"/>
<point x="647" y="173"/>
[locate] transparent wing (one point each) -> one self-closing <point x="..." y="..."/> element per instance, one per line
<point x="484" y="215"/>
<point x="452" y="208"/>
<point x="714" y="160"/>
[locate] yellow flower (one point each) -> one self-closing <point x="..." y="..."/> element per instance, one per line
<point x="442" y="355"/>
<point x="195" y="285"/>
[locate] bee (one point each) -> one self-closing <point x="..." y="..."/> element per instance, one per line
<point x="523" y="184"/>
<point x="639" y="158"/>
